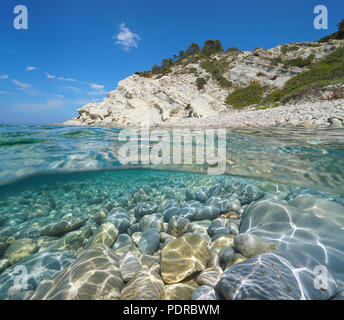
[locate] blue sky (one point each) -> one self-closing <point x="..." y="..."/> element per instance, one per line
<point x="70" y="54"/>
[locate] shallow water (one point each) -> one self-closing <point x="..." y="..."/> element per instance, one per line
<point x="304" y="157"/>
<point x="61" y="185"/>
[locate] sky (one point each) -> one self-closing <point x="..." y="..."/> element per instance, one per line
<point x="75" y="51"/>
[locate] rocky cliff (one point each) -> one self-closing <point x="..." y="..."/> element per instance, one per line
<point x="172" y="97"/>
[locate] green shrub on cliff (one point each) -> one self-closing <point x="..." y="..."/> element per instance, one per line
<point x="200" y="83"/>
<point x="328" y="71"/>
<point x="242" y="97"/>
<point x="299" y="62"/>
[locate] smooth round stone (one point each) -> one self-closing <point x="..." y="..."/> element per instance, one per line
<point x="180" y="291"/>
<point x="101" y="215"/>
<point x="4" y="264"/>
<point x="171" y="209"/>
<point x="250" y="245"/>
<point x="129" y="265"/>
<point x="145" y="208"/>
<point x="149" y="241"/>
<point x="321" y="208"/>
<point x="235" y="206"/>
<point x="238" y="258"/>
<point x="145" y="285"/>
<point x="20" y="249"/>
<point x="151" y="221"/>
<point x="151" y="262"/>
<point x="136" y="237"/>
<point x="106" y="234"/>
<point x="245" y="193"/>
<point x="224" y="205"/>
<point x="40" y="266"/>
<point x="203" y="213"/>
<point x="94" y="276"/>
<point x="220" y="232"/>
<point x="226" y="256"/>
<point x="122" y="240"/>
<point x="120" y="218"/>
<point x="216" y="224"/>
<point x="182" y="257"/>
<point x="210" y="277"/>
<point x="133" y="228"/>
<point x="122" y="251"/>
<point x="216" y="246"/>
<point x="178" y="226"/>
<point x="233" y="227"/>
<point x="279" y="275"/>
<point x="202" y="195"/>
<point x="205" y="293"/>
<point x="63" y="226"/>
<point x="72" y="242"/>
<point x="189" y="195"/>
<point x="166" y="236"/>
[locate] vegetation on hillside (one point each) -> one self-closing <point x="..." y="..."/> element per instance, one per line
<point x="299" y="62"/>
<point x="329" y="70"/>
<point x="193" y="53"/>
<point x="243" y="97"/>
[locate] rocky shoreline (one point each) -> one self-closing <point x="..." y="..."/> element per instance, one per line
<point x="175" y="99"/>
<point x="314" y="114"/>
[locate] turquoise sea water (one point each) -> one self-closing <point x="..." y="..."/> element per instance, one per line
<point x="59" y="185"/>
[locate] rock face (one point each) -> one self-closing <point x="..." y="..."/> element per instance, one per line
<point x="94" y="276"/>
<point x="182" y="257"/>
<point x="175" y="96"/>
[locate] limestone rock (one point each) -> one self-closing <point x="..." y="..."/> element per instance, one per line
<point x="280" y="275"/>
<point x="250" y="245"/>
<point x="20" y="249"/>
<point x="180" y="291"/>
<point x="106" y="234"/>
<point x="94" y="276"/>
<point x="205" y="293"/>
<point x="149" y="241"/>
<point x="182" y="257"/>
<point x="38" y="267"/>
<point x="146" y="285"/>
<point x="129" y="265"/>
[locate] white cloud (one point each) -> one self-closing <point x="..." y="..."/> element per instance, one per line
<point x="126" y="39"/>
<point x="60" y="96"/>
<point x="4" y="76"/>
<point x="3" y="92"/>
<point x="66" y="79"/>
<point x="21" y="84"/>
<point x="30" y="68"/>
<point x="72" y="88"/>
<point x="98" y="92"/>
<point x="96" y="86"/>
<point x="50" y="76"/>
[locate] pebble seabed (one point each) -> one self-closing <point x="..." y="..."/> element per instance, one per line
<point x="154" y="235"/>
